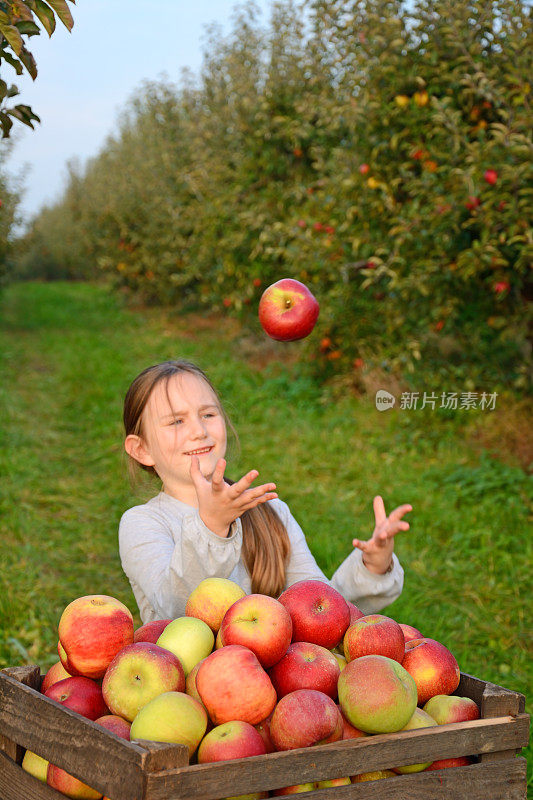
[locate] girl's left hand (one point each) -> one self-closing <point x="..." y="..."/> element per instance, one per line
<point x="377" y="551"/>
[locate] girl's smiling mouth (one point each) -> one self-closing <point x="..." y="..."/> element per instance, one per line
<point x="200" y="452"/>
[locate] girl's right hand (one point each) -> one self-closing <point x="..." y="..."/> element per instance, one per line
<point x="220" y="503"/>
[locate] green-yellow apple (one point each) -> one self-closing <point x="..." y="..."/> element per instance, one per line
<point x="234" y="739"/>
<point x="333" y="782"/>
<point x="260" y="623"/>
<point x="67" y="784"/>
<point x="57" y="672"/>
<point x="341" y="661"/>
<point x="79" y="694"/>
<point x="150" y="631"/>
<point x="115" y="724"/>
<point x="137" y="674"/>
<point x="297" y="788"/>
<point x="190" y="682"/>
<point x="374" y="634"/>
<point x="377" y="775"/>
<point x="376" y="694"/>
<point x="189" y="638"/>
<point x="306" y="666"/>
<point x="402" y="100"/>
<point x="35" y="765"/>
<point x="419" y="720"/>
<point x="288" y="310"/>
<point x="233" y="685"/>
<point x="92" y="629"/>
<point x="305" y="718"/>
<point x="319" y="613"/>
<point x="171" y="717"/>
<point x="446" y="709"/>
<point x="211" y="599"/>
<point x="434" y="669"/>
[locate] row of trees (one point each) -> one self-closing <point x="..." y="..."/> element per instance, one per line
<point x="377" y="150"/>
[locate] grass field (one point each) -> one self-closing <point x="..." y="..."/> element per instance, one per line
<point x="68" y="353"/>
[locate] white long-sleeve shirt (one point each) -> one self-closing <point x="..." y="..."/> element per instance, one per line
<point x="166" y="550"/>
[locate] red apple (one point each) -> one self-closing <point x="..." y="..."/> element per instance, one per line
<point x="287" y="310"/>
<point x="409" y="632"/>
<point x="171" y="717"/>
<point x="58" y="779"/>
<point x="234" y="739"/>
<point x="433" y="668"/>
<point x="92" y="630"/>
<point x="263" y="729"/>
<point x="374" y="634"/>
<point x="376" y="694"/>
<point x="491" y="176"/>
<point x="306" y="666"/>
<point x="355" y="613"/>
<point x="445" y="763"/>
<point x="260" y="623"/>
<point x="211" y="599"/>
<point x="79" y="694"/>
<point x="233" y="685"/>
<point x="137" y="674"/>
<point x="319" y="613"/>
<point x="348" y="730"/>
<point x="115" y="724"/>
<point x="472" y="202"/>
<point x="363" y="169"/>
<point x="446" y="709"/>
<point x="57" y="672"/>
<point x="190" y="682"/>
<point x="150" y="631"/>
<point x="305" y="718"/>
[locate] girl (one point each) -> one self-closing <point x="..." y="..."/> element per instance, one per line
<point x="202" y="524"/>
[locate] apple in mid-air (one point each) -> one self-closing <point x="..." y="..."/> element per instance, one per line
<point x="288" y="310"/>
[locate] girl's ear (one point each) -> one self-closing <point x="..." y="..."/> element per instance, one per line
<point x="135" y="447"/>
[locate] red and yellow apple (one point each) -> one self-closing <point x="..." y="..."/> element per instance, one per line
<point x="115" y="724"/>
<point x="376" y="775"/>
<point x="333" y="782"/>
<point x="446" y="763"/>
<point x="79" y="694"/>
<point x="446" y="709"/>
<point x="319" y="613"/>
<point x="57" y="672"/>
<point x="137" y="674"/>
<point x="409" y="632"/>
<point x="376" y="694"/>
<point x="67" y="784"/>
<point x="189" y="638"/>
<point x="210" y="600"/>
<point x="433" y="668"/>
<point x="305" y="718"/>
<point x="92" y="629"/>
<point x="348" y="730"/>
<point x="288" y="310"/>
<point x="171" y="717"/>
<point x="150" y="631"/>
<point x="263" y="729"/>
<point x="419" y="720"/>
<point x="233" y="685"/>
<point x="297" y="788"/>
<point x="306" y="666"/>
<point x="234" y="739"/>
<point x="260" y="623"/>
<point x="374" y="634"/>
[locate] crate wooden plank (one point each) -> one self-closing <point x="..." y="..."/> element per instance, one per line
<point x="496" y="702"/>
<point x="94" y="755"/>
<point x="348" y="757"/>
<point x="505" y="780"/>
<point x="16" y="784"/>
<point x="29" y="676"/>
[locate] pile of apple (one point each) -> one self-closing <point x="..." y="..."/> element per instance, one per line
<point x="244" y="675"/>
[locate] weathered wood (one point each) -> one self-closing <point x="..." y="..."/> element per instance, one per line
<point x="497" y="702"/>
<point x="16" y="784"/>
<point x="96" y="756"/>
<point x="501" y="781"/>
<point x="29" y="676"/>
<point x="348" y="757"/>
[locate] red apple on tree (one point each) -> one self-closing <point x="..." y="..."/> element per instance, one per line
<point x="288" y="310"/>
<point x="491" y="176"/>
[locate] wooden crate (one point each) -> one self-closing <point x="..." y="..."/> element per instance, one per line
<point x="154" y="771"/>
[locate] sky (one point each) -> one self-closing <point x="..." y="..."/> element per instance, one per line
<point x="86" y="77"/>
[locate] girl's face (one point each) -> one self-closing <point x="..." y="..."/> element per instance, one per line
<point x="182" y="417"/>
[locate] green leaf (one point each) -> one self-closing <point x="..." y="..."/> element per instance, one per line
<point x="15" y="63"/>
<point x="28" y="28"/>
<point x="29" y="62"/>
<point x="13" y="37"/>
<point x="63" y="12"/>
<point x="46" y="16"/>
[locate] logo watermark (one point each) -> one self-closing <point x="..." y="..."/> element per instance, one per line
<point x="416" y="401"/>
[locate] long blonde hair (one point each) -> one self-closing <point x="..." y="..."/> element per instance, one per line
<point x="266" y="543"/>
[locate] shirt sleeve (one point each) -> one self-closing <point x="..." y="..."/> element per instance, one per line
<point x="369" y="592"/>
<point x="167" y="559"/>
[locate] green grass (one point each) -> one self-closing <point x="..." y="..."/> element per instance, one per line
<point x="68" y="353"/>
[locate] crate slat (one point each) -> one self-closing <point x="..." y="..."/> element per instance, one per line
<point x="16" y="784"/>
<point x="348" y="757"/>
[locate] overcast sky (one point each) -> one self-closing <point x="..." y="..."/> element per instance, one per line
<point x="85" y="78"/>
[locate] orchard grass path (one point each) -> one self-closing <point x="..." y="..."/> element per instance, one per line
<point x="68" y="352"/>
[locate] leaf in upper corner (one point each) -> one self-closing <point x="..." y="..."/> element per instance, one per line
<point x="63" y="12"/>
<point x="46" y="16"/>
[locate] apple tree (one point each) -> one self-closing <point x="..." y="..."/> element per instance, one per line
<point x="19" y="21"/>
